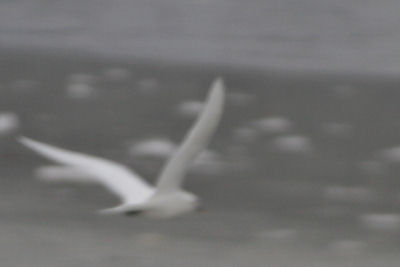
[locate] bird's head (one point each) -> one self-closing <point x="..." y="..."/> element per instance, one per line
<point x="194" y="201"/>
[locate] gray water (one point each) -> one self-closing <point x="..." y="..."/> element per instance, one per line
<point x="316" y="193"/>
<point x="100" y="76"/>
<point x="334" y="35"/>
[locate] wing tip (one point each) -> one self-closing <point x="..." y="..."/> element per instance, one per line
<point x="218" y="84"/>
<point x="24" y="140"/>
<point x="28" y="142"/>
<point x="217" y="90"/>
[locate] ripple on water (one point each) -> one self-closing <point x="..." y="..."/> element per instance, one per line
<point x="159" y="147"/>
<point x="381" y="221"/>
<point x="293" y="144"/>
<point x="190" y="109"/>
<point x="273" y="125"/>
<point x="9" y="122"/>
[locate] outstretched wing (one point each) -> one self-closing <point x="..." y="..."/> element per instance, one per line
<point x="64" y="173"/>
<point x="118" y="179"/>
<point x="196" y="140"/>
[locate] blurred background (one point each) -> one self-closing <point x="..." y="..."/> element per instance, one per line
<point x="303" y="171"/>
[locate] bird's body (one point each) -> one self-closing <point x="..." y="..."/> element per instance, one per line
<point x="166" y="198"/>
<point x="161" y="206"/>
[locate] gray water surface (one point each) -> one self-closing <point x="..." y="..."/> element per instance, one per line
<point x="338" y="35"/>
<point x="316" y="193"/>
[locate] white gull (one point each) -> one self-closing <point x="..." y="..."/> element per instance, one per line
<point x="166" y="198"/>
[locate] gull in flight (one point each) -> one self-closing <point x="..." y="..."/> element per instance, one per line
<point x="167" y="198"/>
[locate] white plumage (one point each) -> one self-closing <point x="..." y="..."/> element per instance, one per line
<point x="167" y="198"/>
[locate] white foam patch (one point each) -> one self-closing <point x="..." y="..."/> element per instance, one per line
<point x="117" y="74"/>
<point x="153" y="148"/>
<point x="9" y="123"/>
<point x="207" y="156"/>
<point x="273" y="125"/>
<point x="338" y="129"/>
<point x="208" y="162"/>
<point x="190" y="109"/>
<point x="240" y="98"/>
<point x="391" y="155"/>
<point x="80" y="90"/>
<point x="347" y="246"/>
<point x="348" y="194"/>
<point x="292" y="144"/>
<point x="381" y="222"/>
